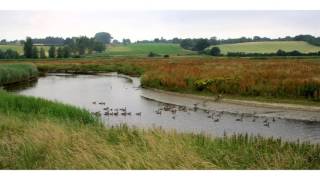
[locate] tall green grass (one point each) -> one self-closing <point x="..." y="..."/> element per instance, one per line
<point x="13" y="73"/>
<point x="41" y="134"/>
<point x="12" y="103"/>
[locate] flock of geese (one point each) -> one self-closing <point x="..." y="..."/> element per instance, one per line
<point x="216" y="116"/>
<point x="108" y="111"/>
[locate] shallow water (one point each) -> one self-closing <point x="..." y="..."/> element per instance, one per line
<point x="119" y="92"/>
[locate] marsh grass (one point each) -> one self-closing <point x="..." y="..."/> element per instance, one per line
<point x="41" y="134"/>
<point x="12" y="103"/>
<point x="13" y="73"/>
<point x="278" y="80"/>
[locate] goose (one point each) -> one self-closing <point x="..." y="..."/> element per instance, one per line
<point x="241" y="118"/>
<point x="158" y="112"/>
<point x="254" y="119"/>
<point x="267" y="124"/>
<point x="138" y="113"/>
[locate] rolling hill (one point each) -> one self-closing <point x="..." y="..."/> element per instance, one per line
<point x="268" y="47"/>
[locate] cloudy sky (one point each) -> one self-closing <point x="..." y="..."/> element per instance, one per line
<point x="138" y="25"/>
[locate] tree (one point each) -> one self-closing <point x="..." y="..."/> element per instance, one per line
<point x="82" y="44"/>
<point x="42" y="53"/>
<point x="103" y="37"/>
<point x="152" y="54"/>
<point x="213" y="41"/>
<point x="99" y="47"/>
<point x="35" y="52"/>
<point x="281" y="53"/>
<point x="52" y="52"/>
<point x="215" y="51"/>
<point x="126" y="41"/>
<point x="115" y="41"/>
<point x="186" y="44"/>
<point x="59" y="52"/>
<point x="27" y="48"/>
<point x="3" y="41"/>
<point x="66" y="52"/>
<point x="201" y="44"/>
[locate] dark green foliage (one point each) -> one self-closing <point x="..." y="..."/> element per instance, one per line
<point x="99" y="47"/>
<point x="187" y="44"/>
<point x="201" y="44"/>
<point x="103" y="37"/>
<point x="28" y="48"/>
<point x="66" y="52"/>
<point x="52" y="52"/>
<point x="215" y="51"/>
<point x="60" y="52"/>
<point x="195" y="44"/>
<point x="42" y="53"/>
<point x="35" y="52"/>
<point x="126" y="41"/>
<point x="152" y="54"/>
<point x="9" y="54"/>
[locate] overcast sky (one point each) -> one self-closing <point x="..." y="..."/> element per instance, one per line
<point x="138" y="25"/>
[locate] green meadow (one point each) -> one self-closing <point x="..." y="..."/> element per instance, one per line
<point x="144" y="49"/>
<point x="268" y="47"/>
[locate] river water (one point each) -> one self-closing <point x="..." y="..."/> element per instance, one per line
<point x="119" y="93"/>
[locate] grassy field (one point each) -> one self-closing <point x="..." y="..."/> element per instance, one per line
<point x="269" y="47"/>
<point x="275" y="80"/>
<point x="145" y="49"/>
<point x="126" y="50"/>
<point x="40" y="134"/>
<point x="13" y="73"/>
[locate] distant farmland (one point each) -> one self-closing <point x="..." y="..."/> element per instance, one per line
<point x="269" y="47"/>
<point x="144" y="48"/>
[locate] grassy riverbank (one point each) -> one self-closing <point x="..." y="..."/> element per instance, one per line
<point x="39" y="134"/>
<point x="13" y="73"/>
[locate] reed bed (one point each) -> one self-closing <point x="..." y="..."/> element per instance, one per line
<point x="13" y="73"/>
<point x="280" y="78"/>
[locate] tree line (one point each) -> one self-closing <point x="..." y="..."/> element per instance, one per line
<point x="69" y="47"/>
<point x="72" y="47"/>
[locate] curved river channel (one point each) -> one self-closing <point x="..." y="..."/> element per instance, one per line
<point x="143" y="111"/>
